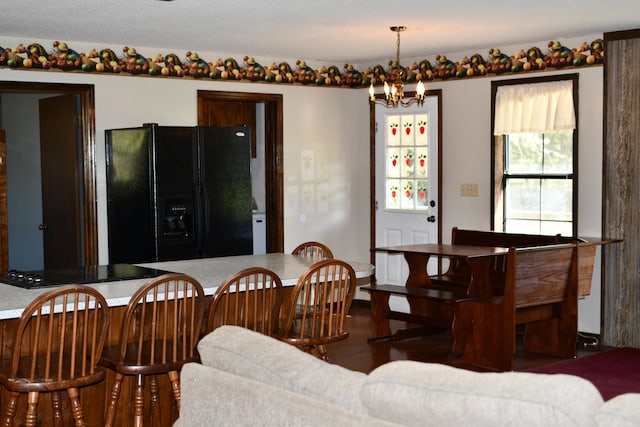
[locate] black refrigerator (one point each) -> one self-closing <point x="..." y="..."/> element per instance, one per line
<point x="178" y="193"/>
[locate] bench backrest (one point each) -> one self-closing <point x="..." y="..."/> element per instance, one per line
<point x="541" y="275"/>
<point x="460" y="269"/>
<point x="504" y="240"/>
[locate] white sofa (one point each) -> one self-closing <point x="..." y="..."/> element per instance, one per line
<point x="248" y="379"/>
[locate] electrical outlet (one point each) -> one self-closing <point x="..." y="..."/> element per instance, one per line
<point x="469" y="190"/>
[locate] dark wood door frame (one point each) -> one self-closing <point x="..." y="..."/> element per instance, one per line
<point x="274" y="209"/>
<point x="373" y="205"/>
<point x="86" y="95"/>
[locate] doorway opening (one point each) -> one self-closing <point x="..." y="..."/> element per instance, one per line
<point x="84" y="209"/>
<point x="233" y="108"/>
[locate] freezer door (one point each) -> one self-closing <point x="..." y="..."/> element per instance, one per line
<point x="225" y="174"/>
<point x="129" y="195"/>
<point x="175" y="183"/>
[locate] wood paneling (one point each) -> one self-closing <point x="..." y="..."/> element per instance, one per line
<point x="211" y="101"/>
<point x="621" y="190"/>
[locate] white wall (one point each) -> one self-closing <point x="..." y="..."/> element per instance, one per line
<point x="466" y="109"/>
<point x="329" y="129"/>
<point x="331" y="123"/>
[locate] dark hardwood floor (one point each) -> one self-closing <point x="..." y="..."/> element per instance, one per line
<point x="356" y="353"/>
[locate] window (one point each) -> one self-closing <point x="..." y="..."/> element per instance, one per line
<point x="535" y="160"/>
<point x="407" y="170"/>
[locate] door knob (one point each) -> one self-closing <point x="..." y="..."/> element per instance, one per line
<point x="431" y="218"/>
<point x="43" y="227"/>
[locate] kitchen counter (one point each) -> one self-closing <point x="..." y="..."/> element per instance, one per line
<point x="210" y="272"/>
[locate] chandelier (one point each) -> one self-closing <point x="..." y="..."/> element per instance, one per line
<point x="394" y="87"/>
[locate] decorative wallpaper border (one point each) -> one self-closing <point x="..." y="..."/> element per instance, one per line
<point x="130" y="62"/>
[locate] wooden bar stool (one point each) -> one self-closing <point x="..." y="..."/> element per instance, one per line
<point x="58" y="343"/>
<point x="251" y="299"/>
<point x="320" y="302"/>
<point x="315" y="250"/>
<point x="160" y="330"/>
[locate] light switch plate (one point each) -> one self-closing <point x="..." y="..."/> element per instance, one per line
<point x="469" y="190"/>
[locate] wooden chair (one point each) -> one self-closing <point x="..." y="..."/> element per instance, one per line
<point x="160" y="330"/>
<point x="58" y="342"/>
<point x="311" y="249"/>
<point x="251" y="299"/>
<point x="325" y="292"/>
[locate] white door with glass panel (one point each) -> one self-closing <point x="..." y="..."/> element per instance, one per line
<point x="406" y="185"/>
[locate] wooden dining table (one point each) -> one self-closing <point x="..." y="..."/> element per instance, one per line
<point x="210" y="272"/>
<point x="478" y="258"/>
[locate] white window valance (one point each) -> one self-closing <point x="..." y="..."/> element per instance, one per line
<point x="536" y="107"/>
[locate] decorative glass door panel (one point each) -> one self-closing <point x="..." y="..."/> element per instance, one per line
<point x="407" y="166"/>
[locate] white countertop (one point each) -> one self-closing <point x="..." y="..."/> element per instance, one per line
<point x="210" y="272"/>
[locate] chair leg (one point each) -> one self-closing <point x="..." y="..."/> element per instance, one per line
<point x="76" y="408"/>
<point x="10" y="410"/>
<point x="155" y="400"/>
<point x="56" y="406"/>
<point x="322" y="352"/>
<point x="174" y="378"/>
<point x="32" y="406"/>
<point x="113" y="401"/>
<point x="138" y="402"/>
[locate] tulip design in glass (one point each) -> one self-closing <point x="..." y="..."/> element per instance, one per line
<point x="394" y="163"/>
<point x="393" y="132"/>
<point x="421" y="161"/>
<point x="407" y="195"/>
<point x="393" y="196"/>
<point x="421" y="194"/>
<point x="408" y="165"/>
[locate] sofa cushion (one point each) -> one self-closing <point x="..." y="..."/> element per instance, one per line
<point x="258" y="357"/>
<point x="621" y="411"/>
<point x="211" y="397"/>
<point x="412" y="393"/>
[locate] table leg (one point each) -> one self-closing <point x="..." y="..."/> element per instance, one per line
<point x="379" y="310"/>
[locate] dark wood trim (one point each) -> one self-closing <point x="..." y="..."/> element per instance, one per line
<point x="372" y="181"/>
<point x="86" y="94"/>
<point x="621" y="35"/>
<point x="372" y="172"/>
<point x="274" y="174"/>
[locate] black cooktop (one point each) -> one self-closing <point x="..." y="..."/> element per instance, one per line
<point x="79" y="275"/>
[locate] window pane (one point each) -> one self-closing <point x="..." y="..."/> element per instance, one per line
<point x="556" y="199"/>
<point x="522" y="226"/>
<point x="552" y="228"/>
<point x="558" y="152"/>
<point x="522" y="199"/>
<point x="524" y="153"/>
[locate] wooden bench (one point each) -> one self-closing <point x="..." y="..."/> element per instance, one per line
<point x="541" y="293"/>
<point x="457" y="275"/>
<point x="437" y="310"/>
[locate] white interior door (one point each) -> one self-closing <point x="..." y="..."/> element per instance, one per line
<point x="406" y="185"/>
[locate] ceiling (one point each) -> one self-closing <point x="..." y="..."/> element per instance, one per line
<point x="327" y="31"/>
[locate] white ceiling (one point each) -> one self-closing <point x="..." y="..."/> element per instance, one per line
<point x="328" y="31"/>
